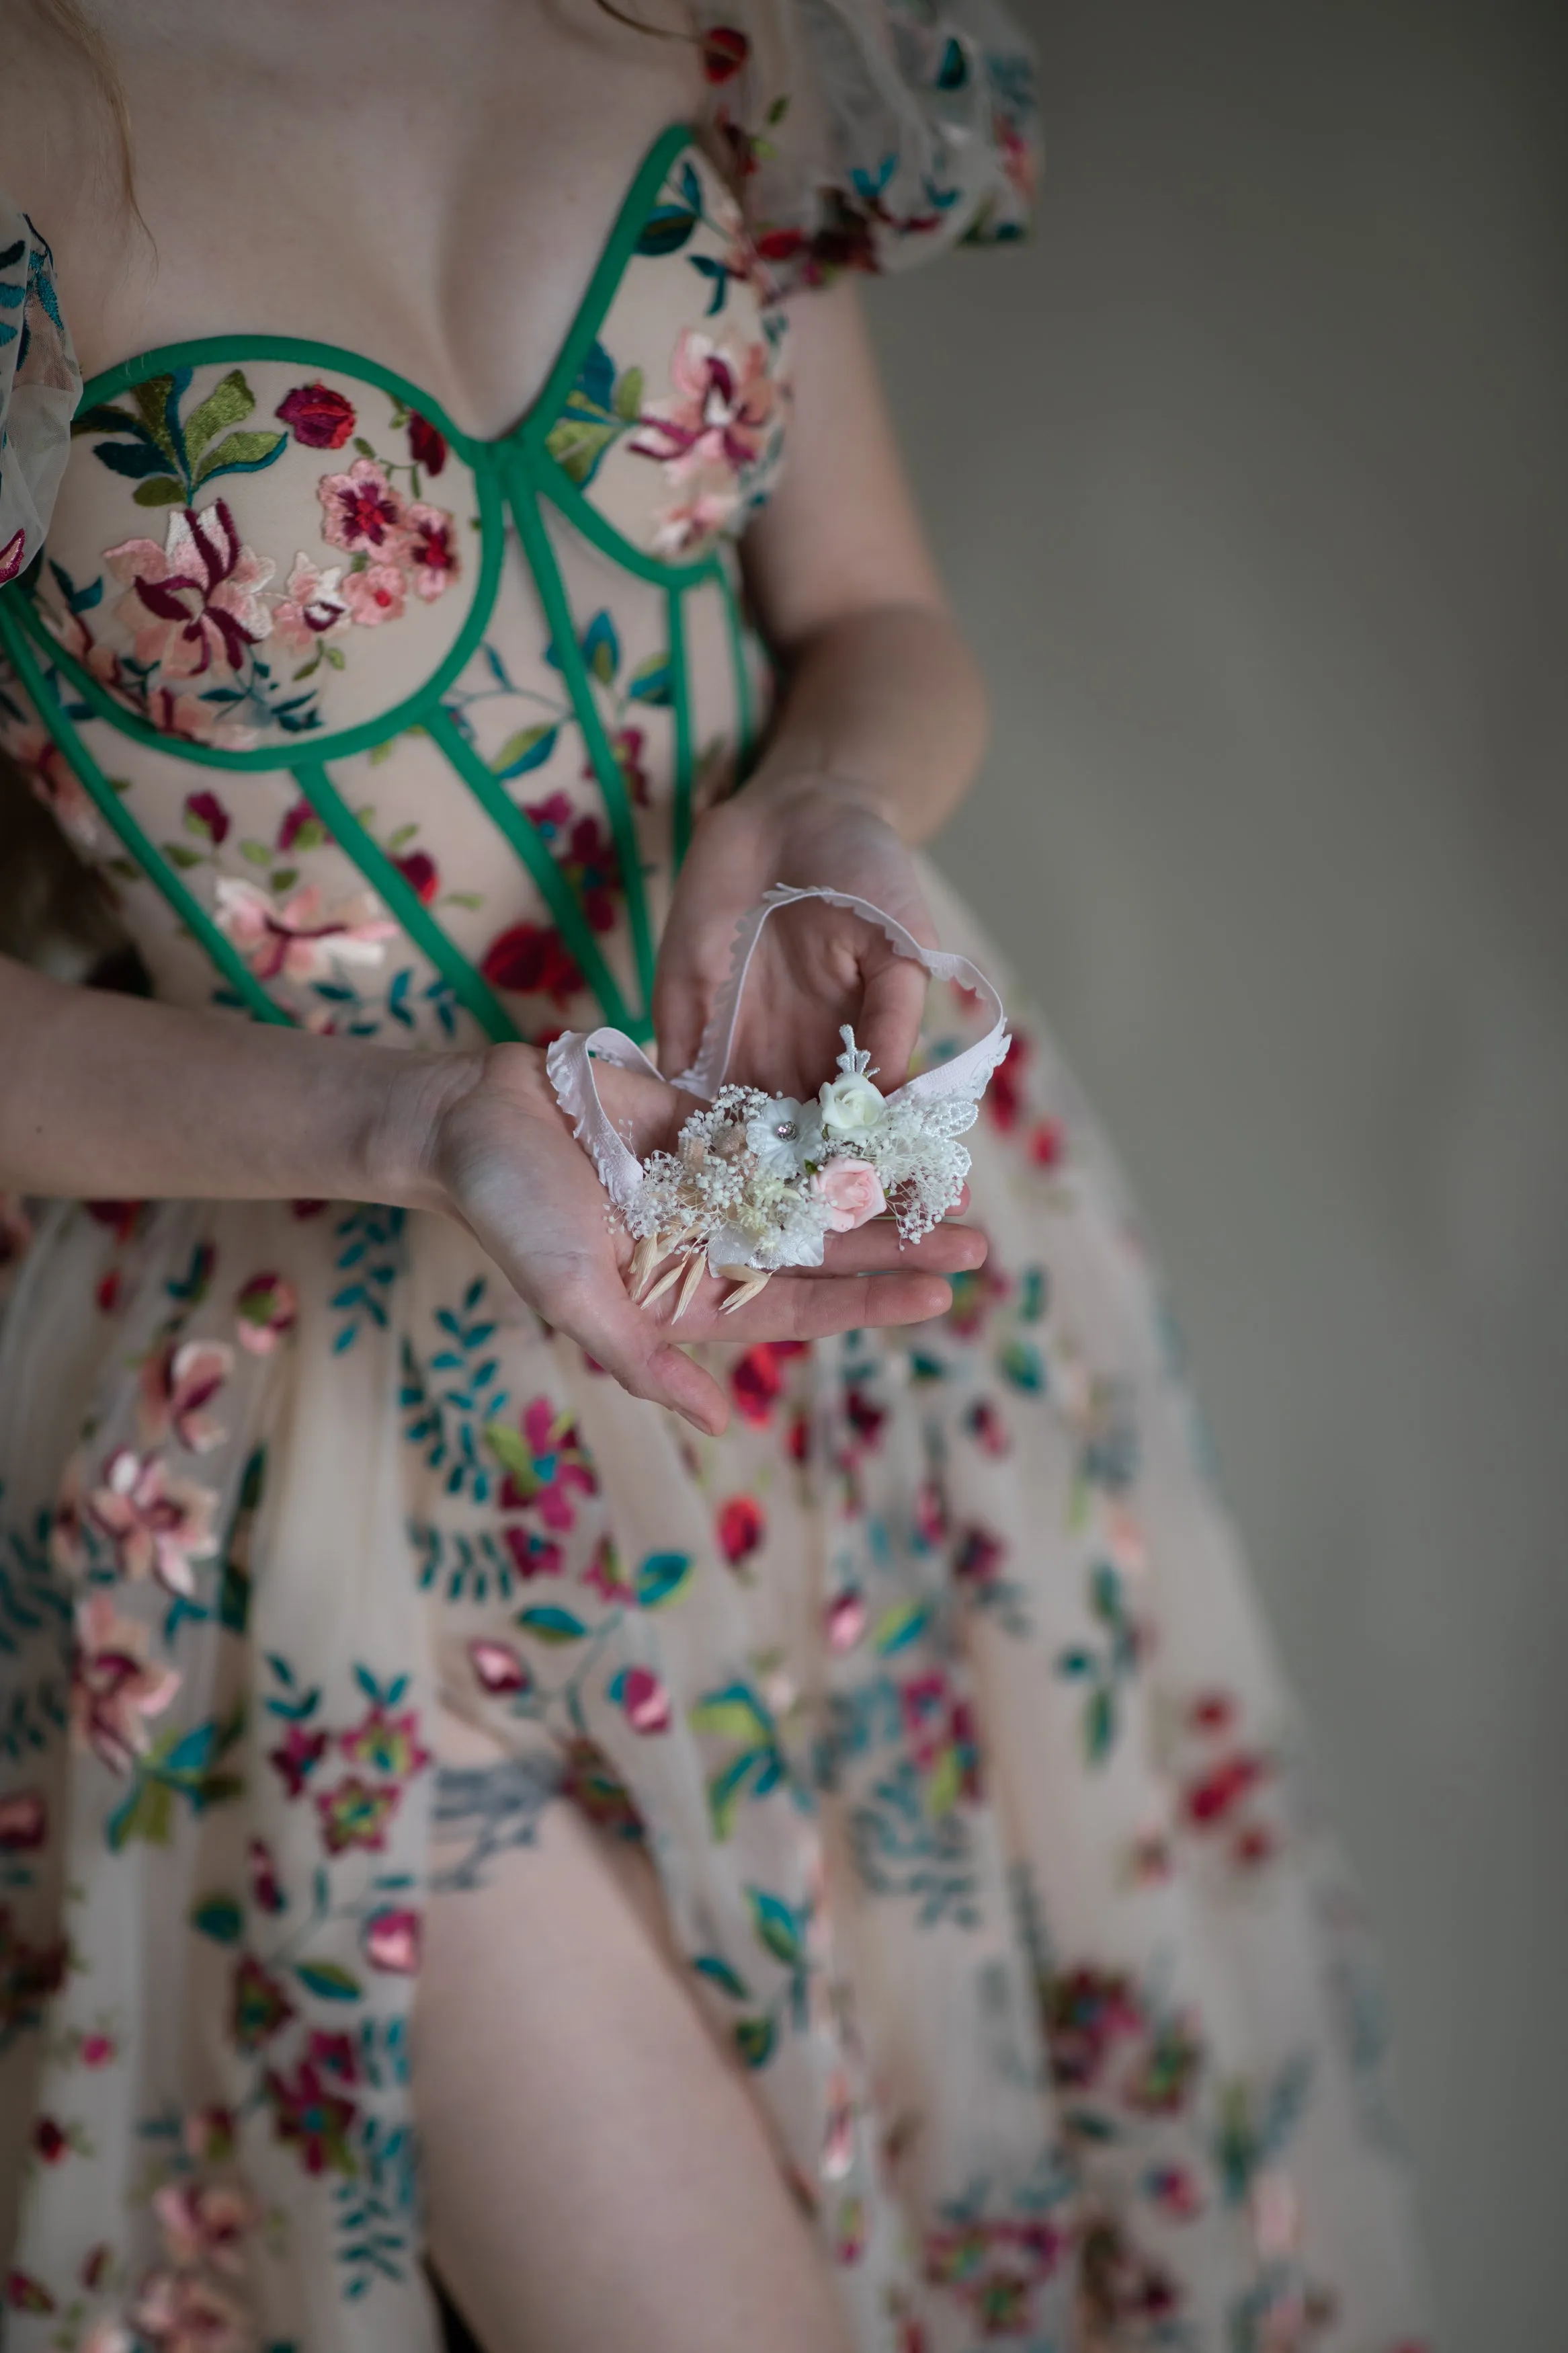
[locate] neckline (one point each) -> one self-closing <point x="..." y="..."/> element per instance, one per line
<point x="476" y="449"/>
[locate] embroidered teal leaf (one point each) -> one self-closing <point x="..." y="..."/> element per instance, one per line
<point x="666" y="229"/>
<point x="1021" y="1363"/>
<point x="549" y="1624"/>
<point x="529" y="748"/>
<point x="241" y="453"/>
<point x="219" y="1918"/>
<point x="1100" y="1721"/>
<point x="651" y="683"/>
<point x="601" y="649"/>
<point x="754" y="2039"/>
<point x="718" y="1972"/>
<point x="896" y="1627"/>
<point x="662" y="1576"/>
<point x="776" y="1927"/>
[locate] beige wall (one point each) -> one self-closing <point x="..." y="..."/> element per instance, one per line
<point x="1249" y="479"/>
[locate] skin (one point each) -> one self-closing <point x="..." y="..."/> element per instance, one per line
<point x="303" y="170"/>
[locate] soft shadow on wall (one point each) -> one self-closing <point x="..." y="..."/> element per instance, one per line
<point x="1250" y="476"/>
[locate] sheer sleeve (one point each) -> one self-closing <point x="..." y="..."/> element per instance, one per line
<point x="868" y="134"/>
<point x="40" y="386"/>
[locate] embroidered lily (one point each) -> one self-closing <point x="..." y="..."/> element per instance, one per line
<point x="303" y="938"/>
<point x="113" y="1687"/>
<point x="313" y="605"/>
<point x="177" y="1382"/>
<point x="179" y="2312"/>
<point x="204" y="2222"/>
<point x="158" y="1525"/>
<point x="50" y="781"/>
<point x="718" y="415"/>
<point x="194" y="604"/>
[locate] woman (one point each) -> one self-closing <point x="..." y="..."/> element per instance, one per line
<point x="806" y="1832"/>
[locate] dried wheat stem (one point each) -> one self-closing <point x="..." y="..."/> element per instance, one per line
<point x="695" y="1267"/>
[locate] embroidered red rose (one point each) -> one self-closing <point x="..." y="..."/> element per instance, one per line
<point x="426" y="446"/>
<point x="317" y="416"/>
<point x="743" y="1525"/>
<point x="418" y="870"/>
<point x="531" y="960"/>
<point x="724" y="52"/>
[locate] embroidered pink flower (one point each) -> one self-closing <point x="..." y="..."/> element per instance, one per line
<point x="194" y="604"/>
<point x="204" y="2222"/>
<point x="13" y="555"/>
<point x="431" y="550"/>
<point x="180" y="2312"/>
<point x="853" y="1192"/>
<point x="720" y="412"/>
<point x="266" y="1887"/>
<point x="708" y="506"/>
<point x="303" y="938"/>
<point x="377" y="593"/>
<point x="177" y="1383"/>
<point x="24" y="1822"/>
<point x="52" y="782"/>
<point x="158" y="1525"/>
<point x="317" y="416"/>
<point x="360" y="511"/>
<point x="113" y="1688"/>
<point x="498" y="1668"/>
<point x="196" y="721"/>
<point x="846" y="1618"/>
<point x="313" y="606"/>
<point x="98" y="2050"/>
<point x="296" y="1756"/>
<point x="639" y="1691"/>
<point x="266" y="1309"/>
<point x="392" y="1941"/>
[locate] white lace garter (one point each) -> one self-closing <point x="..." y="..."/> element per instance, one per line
<point x="757" y="1182"/>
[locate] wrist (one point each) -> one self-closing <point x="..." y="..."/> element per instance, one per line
<point x="786" y="795"/>
<point x="403" y="1146"/>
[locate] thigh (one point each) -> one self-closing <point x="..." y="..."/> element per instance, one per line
<point x="596" y="2172"/>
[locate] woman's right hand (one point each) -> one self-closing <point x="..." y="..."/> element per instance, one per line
<point x="500" y="1157"/>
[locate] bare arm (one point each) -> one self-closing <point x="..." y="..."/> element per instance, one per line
<point x="881" y="727"/>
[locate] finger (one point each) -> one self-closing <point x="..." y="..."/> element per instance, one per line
<point x="681" y="997"/>
<point x="891" y="1015"/>
<point x="878" y="1249"/>
<point x="637" y="1352"/>
<point x="793" y="1308"/>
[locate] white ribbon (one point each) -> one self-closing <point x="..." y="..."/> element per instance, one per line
<point x="570" y="1060"/>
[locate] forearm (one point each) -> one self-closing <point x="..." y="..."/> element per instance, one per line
<point x="107" y="1096"/>
<point x="887" y="702"/>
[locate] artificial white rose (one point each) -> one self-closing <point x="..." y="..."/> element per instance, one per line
<point x="850" y="1107"/>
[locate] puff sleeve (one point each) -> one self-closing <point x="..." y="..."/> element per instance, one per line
<point x="40" y="384"/>
<point x="869" y="134"/>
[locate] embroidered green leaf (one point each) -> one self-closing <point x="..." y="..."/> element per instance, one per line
<point x="666" y="229"/>
<point x="726" y="1788"/>
<point x="328" y="1980"/>
<point x="153" y="400"/>
<point x="754" y="2039"/>
<point x="730" y="1718"/>
<point x="529" y="748"/>
<point x="284" y="878"/>
<point x="943" y="1784"/>
<point x="718" y="1972"/>
<point x="403" y="835"/>
<point x="241" y="453"/>
<point x="515" y="1456"/>
<point x="159" y="492"/>
<point x="1100" y="1717"/>
<point x="662" y="1576"/>
<point x="628" y="396"/>
<point x="577" y="444"/>
<point x="1105" y="1595"/>
<point x="1021" y="1364"/>
<point x="179" y="853"/>
<point x="551" y="1625"/>
<point x="776" y="1927"/>
<point x="650" y="683"/>
<point x="256" y="852"/>
<point x="896" y="1627"/>
<point x="219" y="1918"/>
<point x="226" y="404"/>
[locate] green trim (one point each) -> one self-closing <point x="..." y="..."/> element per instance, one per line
<point x="552" y="595"/>
<point x="337" y="743"/>
<point x="745" y="717"/>
<point x="524" y="838"/>
<point x="404" y="901"/>
<point x="604" y="286"/>
<point x="680" y="705"/>
<point x="123" y="826"/>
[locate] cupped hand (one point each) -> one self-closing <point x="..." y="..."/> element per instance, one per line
<point x="815" y="966"/>
<point x="503" y="1161"/>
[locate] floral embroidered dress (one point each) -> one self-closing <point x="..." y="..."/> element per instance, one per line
<point x="933" y="1687"/>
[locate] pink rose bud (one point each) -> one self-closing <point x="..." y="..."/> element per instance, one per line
<point x="392" y="1941"/>
<point x="853" y="1192"/>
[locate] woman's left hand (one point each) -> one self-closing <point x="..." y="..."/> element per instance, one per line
<point x="815" y="966"/>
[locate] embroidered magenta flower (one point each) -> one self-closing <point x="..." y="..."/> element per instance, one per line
<point x="313" y="606"/>
<point x="1088" y="2012"/>
<point x="313" y="2120"/>
<point x="258" y="2006"/>
<point x="531" y="960"/>
<point x="296" y="1756"/>
<point x="266" y="1887"/>
<point x="386" y="1743"/>
<point x="113" y="1687"/>
<point x="979" y="1556"/>
<point x="180" y="2312"/>
<point x="743" y="1525"/>
<point x="532" y="1555"/>
<point x="302" y="829"/>
<point x="266" y="1309"/>
<point x="547" y="1468"/>
<point x="717" y="420"/>
<point x="317" y="416"/>
<point x="642" y="1698"/>
<point x="206" y="815"/>
<point x="605" y="1575"/>
<point x="204" y="2222"/>
<point x="362" y="512"/>
<point x="584" y="852"/>
<point x="98" y="2050"/>
<point x="430" y="551"/>
<point x="845" y="1617"/>
<point x="422" y="874"/>
<point x="392" y="1941"/>
<point x="379" y="593"/>
<point x="13" y="555"/>
<point x="24" y="1822"/>
<point x="426" y="446"/>
<point x="356" y="1813"/>
<point x="158" y="1525"/>
<point x="177" y="1383"/>
<point x="334" y="2056"/>
<point x="1213" y="1797"/>
<point x="194" y="604"/>
<point x="303" y="938"/>
<point x="50" y="2141"/>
